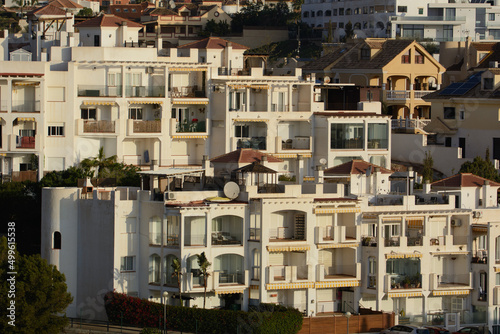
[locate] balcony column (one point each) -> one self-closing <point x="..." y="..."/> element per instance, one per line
<point x="290" y="101"/>
<point x="300" y="169"/>
<point x="123" y="80"/>
<point x="9" y="100"/>
<point x="165" y="91"/>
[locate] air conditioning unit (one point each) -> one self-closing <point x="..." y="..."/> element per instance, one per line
<point x="171" y="196"/>
<point x="456" y="222"/>
<point x="477" y="214"/>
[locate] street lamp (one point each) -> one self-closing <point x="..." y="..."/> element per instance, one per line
<point x="165" y="294"/>
<point x="347" y="315"/>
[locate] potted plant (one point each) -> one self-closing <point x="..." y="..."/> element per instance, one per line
<point x="406" y="282"/>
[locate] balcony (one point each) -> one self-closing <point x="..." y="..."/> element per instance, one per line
<point x="186" y="91"/>
<point x="25" y="142"/>
<point x="171" y="240"/>
<point x="418" y="94"/>
<point x="289" y="274"/>
<point x="429" y="19"/>
<point x="335" y="234"/>
<point x="296" y="143"/>
<point x="397" y="94"/>
<point x="232" y="71"/>
<point x="325" y="272"/>
<point x="99" y="91"/>
<point x="25" y="106"/>
<point x="195" y="125"/>
<point x="258" y="143"/>
<point x="195" y="240"/>
<point x="392" y="241"/>
<point x="92" y="126"/>
<point x="431" y="200"/>
<point x="143" y="91"/>
<point x="139" y="126"/>
<point x="226" y="238"/>
<point x="402" y="282"/>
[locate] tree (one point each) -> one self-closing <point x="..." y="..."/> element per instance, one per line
<point x="213" y="28"/>
<point x="85" y="12"/>
<point x="428" y="172"/>
<point x="40" y="293"/>
<point x="204" y="264"/>
<point x="102" y="163"/>
<point x="176" y="266"/>
<point x="481" y="167"/>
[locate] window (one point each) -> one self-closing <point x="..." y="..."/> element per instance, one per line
<point x="306" y="14"/>
<point x="371" y="10"/>
<point x="134" y="113"/>
<point x="341" y="24"/>
<point x="347" y="136"/>
<point x="449" y="112"/>
<point x="448" y="33"/>
<point x="447" y="141"/>
<point x="56" y="131"/>
<point x="127" y="263"/>
<point x="462" y="114"/>
<point x="372" y="272"/>
<point x="242" y="131"/>
<point x="154" y="269"/>
<point x="114" y="79"/>
<point x="356" y="11"/>
<point x="488" y="83"/>
<point x="57" y="240"/>
<point x="348" y="11"/>
<point x="420" y="11"/>
<point x="320" y="13"/>
<point x="492" y="16"/>
<point x="414" y="31"/>
<point x="88" y="113"/>
<point x="402" y="9"/>
<point x="365" y="10"/>
<point x="341" y="11"/>
<point x="312" y="14"/>
<point x="405" y="59"/>
<point x="335" y="12"/>
<point x="378" y="135"/>
<point x="483" y="287"/>
<point x="419" y="58"/>
<point x="365" y="53"/>
<point x="237" y="100"/>
<point x="328" y="13"/>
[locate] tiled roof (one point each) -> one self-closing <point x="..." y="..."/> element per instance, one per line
<point x="107" y="20"/>
<point x="48" y="10"/>
<point x="483" y="46"/>
<point x="348" y="58"/>
<point x="160" y="11"/>
<point x="256" y="167"/>
<point x="457" y="66"/>
<point x="212" y="43"/>
<point x="493" y="56"/>
<point x="130" y="11"/>
<point x="474" y="93"/>
<point x="244" y="155"/>
<point x="354" y="167"/>
<point x="65" y="4"/>
<point x="463" y="180"/>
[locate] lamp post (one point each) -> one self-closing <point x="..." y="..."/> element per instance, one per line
<point x="347" y="315"/>
<point x="165" y="294"/>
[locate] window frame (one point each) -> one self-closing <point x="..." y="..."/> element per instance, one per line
<point x="125" y="261"/>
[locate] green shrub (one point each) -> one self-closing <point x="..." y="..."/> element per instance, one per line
<point x="149" y="330"/>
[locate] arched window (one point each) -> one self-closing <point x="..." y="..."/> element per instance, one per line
<point x="154" y="269"/>
<point x="306" y="14"/>
<point x="320" y="13"/>
<point x="57" y="240"/>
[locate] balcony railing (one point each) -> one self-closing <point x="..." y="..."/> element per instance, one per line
<point x="25" y="142"/>
<point x="410" y="123"/>
<point x="194" y="125"/>
<point x="230" y="277"/>
<point x="143" y="91"/>
<point x="297" y="143"/>
<point x="25" y="106"/>
<point x="97" y="91"/>
<point x="254" y="234"/>
<point x="186" y="91"/>
<point x="225" y="238"/>
<point x="398" y="94"/>
<point x="92" y="126"/>
<point x="258" y="143"/>
<point x="418" y="94"/>
<point x="147" y="126"/>
<point x="415" y="241"/>
<point x="428" y="18"/>
<point x="278" y="272"/>
<point x="232" y="71"/>
<point x="392" y="241"/>
<point x="194" y="240"/>
<point x="172" y="240"/>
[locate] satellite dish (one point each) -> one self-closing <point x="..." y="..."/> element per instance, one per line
<point x="326" y="79"/>
<point x="231" y="190"/>
<point x="322" y="161"/>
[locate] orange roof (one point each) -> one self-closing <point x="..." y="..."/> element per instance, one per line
<point x="354" y="167"/>
<point x="107" y="20"/>
<point x="49" y="10"/>
<point x="65" y="4"/>
<point x="244" y="155"/>
<point x="463" y="180"/>
<point x="212" y="43"/>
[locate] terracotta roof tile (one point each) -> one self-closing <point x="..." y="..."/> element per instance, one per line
<point x="463" y="180"/>
<point x="354" y="167"/>
<point x="212" y="43"/>
<point x="483" y="46"/>
<point x="107" y="20"/>
<point x="244" y="155"/>
<point x="48" y="10"/>
<point x="65" y="4"/>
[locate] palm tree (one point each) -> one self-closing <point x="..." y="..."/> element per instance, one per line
<point x="176" y="265"/>
<point x="101" y="162"/>
<point x="204" y="264"/>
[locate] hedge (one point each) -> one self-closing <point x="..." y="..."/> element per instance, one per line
<point x="264" y="319"/>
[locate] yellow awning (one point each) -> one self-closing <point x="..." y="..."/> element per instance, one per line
<point x="259" y="86"/>
<point x="238" y="86"/>
<point x="189" y="101"/>
<point x="227" y="292"/>
<point x="26" y="119"/>
<point x="497" y="269"/>
<point x="483" y="229"/>
<point x="299" y="248"/>
<point x="145" y="102"/>
<point x="336" y="210"/>
<point x="404" y="294"/>
<point x="440" y="253"/>
<point x="365" y="216"/>
<point x="415" y="222"/>
<point x="283" y="286"/>
<point x="391" y="219"/>
<point x="309" y="178"/>
<point x="99" y="103"/>
<point x="26" y="83"/>
<point x="254" y="287"/>
<point x="277" y="249"/>
<point x="402" y="255"/>
<point x="350" y="245"/>
<point x="292" y="156"/>
<point x="251" y="120"/>
<point x="450" y="293"/>
<point x="186" y="69"/>
<point x="337" y="284"/>
<point x="190" y="136"/>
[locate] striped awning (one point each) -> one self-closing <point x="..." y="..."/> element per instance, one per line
<point x="292" y="156"/>
<point x="309" y="178"/>
<point x="189" y="101"/>
<point x="402" y="255"/>
<point x="254" y="287"/>
<point x="228" y="292"/>
<point x="299" y="248"/>
<point x="246" y="120"/>
<point x="238" y="86"/>
<point x="99" y="103"/>
<point x="26" y="83"/>
<point x="145" y="102"/>
<point x="415" y="222"/>
<point x="450" y="293"/>
<point x="365" y="216"/>
<point x="190" y="137"/>
<point x="496" y="269"/>
<point x="483" y="229"/>
<point x="350" y="245"/>
<point x="259" y="86"/>
<point x="450" y="253"/>
<point x="404" y="294"/>
<point x="280" y="249"/>
<point x="391" y="219"/>
<point x="284" y="286"/>
<point x="185" y="69"/>
<point x="336" y="210"/>
<point x="337" y="284"/>
<point x="26" y="119"/>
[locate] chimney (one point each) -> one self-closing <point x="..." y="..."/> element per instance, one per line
<point x="427" y="187"/>
<point x="263" y="161"/>
<point x="154" y="164"/>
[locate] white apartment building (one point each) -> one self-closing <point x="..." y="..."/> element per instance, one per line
<point x="331" y="244"/>
<point x="440" y="20"/>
